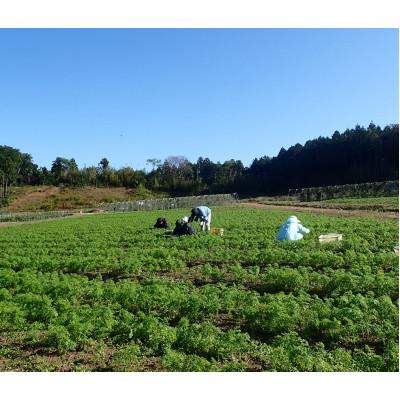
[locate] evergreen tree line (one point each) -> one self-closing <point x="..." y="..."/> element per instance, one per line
<point x="355" y="156"/>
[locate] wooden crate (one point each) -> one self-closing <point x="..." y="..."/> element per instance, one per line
<point x="330" y="238"/>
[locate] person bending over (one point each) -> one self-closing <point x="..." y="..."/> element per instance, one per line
<point x="203" y="214"/>
<point x="183" y="228"/>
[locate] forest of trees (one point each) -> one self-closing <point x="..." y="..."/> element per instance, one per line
<point x="357" y="155"/>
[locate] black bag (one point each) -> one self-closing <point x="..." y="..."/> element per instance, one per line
<point x="161" y="223"/>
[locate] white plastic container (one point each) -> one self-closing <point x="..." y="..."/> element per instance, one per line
<point x="330" y="238"/>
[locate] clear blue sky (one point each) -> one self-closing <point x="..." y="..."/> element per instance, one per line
<point x="130" y="95"/>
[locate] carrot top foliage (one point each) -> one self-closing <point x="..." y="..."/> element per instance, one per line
<point x="108" y="292"/>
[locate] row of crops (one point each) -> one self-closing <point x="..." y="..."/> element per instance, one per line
<point x="368" y="189"/>
<point x="32" y="216"/>
<point x="108" y="292"/>
<point x="385" y="204"/>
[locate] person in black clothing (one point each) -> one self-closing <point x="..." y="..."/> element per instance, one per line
<point x="183" y="228"/>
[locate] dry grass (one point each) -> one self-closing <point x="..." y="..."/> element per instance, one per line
<point x="48" y="198"/>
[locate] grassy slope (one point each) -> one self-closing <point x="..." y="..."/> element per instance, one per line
<point x="47" y="198"/>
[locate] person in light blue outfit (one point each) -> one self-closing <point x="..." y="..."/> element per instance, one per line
<point x="292" y="230"/>
<point x="204" y="214"/>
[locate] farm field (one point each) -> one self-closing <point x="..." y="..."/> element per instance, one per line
<point x="389" y="200"/>
<point x="109" y="293"/>
<point x="384" y="204"/>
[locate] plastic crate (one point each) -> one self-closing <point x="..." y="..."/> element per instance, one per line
<point x="217" y="231"/>
<point x="330" y="238"/>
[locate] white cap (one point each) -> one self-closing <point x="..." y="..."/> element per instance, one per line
<point x="185" y="219"/>
<point x="292" y="219"/>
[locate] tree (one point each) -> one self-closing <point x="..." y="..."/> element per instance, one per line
<point x="90" y="175"/>
<point x="10" y="164"/>
<point x="64" y="170"/>
<point x="354" y="156"/>
<point x="59" y="168"/>
<point x="128" y="177"/>
<point x="154" y="162"/>
<point x="103" y="167"/>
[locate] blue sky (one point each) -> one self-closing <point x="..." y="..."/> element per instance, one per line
<point x="134" y="94"/>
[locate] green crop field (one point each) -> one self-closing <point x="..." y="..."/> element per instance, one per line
<point x="109" y="293"/>
<point x="390" y="200"/>
<point x="389" y="203"/>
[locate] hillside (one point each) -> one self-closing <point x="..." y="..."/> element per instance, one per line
<point x="47" y="198"/>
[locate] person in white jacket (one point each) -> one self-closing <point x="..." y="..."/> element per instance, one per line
<point x="292" y="230"/>
<point x="204" y="214"/>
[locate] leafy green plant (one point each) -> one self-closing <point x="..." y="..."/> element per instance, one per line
<point x="111" y="287"/>
<point x="126" y="358"/>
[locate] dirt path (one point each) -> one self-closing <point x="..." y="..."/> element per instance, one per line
<point x="327" y="211"/>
